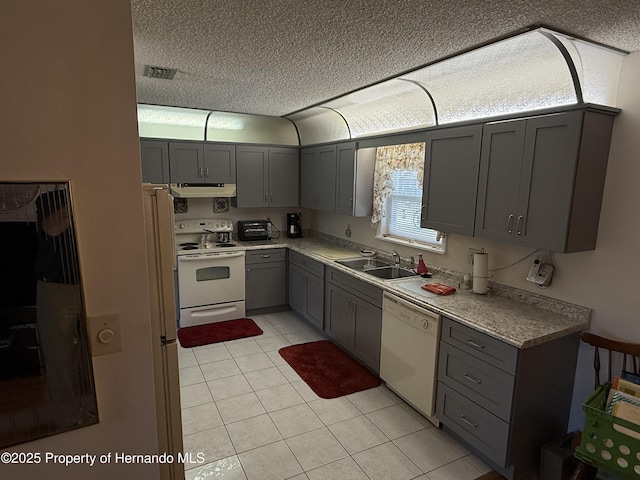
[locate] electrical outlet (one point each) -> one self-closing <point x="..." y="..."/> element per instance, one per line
<point x="471" y="252"/>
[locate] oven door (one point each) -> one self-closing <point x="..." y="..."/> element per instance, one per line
<point x="210" y="278"/>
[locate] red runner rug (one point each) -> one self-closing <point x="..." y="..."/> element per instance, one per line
<point x="329" y="371"/>
<point x="217" y="332"/>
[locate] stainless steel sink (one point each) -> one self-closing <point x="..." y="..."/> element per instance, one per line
<point x="377" y="268"/>
<point x="391" y="272"/>
<point x="363" y="263"/>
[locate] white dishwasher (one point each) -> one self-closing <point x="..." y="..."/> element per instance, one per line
<point x="409" y="353"/>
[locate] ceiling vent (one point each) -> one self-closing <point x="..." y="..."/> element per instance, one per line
<point x="160" y="72"/>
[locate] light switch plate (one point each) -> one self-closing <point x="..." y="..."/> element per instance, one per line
<point x="104" y="331"/>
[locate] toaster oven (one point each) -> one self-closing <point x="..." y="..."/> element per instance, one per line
<point x="253" y="230"/>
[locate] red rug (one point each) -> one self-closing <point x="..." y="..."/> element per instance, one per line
<point x="329" y="371"/>
<point x="217" y="332"/>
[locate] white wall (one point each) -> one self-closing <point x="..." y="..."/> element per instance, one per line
<point x="605" y="279"/>
<point x="68" y="105"/>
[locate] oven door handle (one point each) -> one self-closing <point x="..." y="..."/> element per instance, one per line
<point x="198" y="258"/>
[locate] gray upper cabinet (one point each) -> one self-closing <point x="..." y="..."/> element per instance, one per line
<point x="186" y="160"/>
<point x="337" y="178"/>
<point x="354" y="180"/>
<point x="452" y="160"/>
<point x="318" y="178"/>
<point x="541" y="180"/>
<point x="284" y="177"/>
<point x="154" y="155"/>
<point x="266" y="177"/>
<point x="193" y="162"/>
<point x="219" y="163"/>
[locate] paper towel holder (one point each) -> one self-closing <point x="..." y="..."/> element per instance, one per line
<point x="481" y="273"/>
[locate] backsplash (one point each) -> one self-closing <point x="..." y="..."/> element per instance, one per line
<point x="556" y="306"/>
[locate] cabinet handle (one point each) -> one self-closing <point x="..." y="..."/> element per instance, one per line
<point x="471" y="379"/>
<point x="468" y="422"/>
<point x="266" y="199"/>
<point x="518" y="227"/>
<point x="271" y="197"/>
<point x="474" y="344"/>
<point x="248" y="272"/>
<point x="510" y="225"/>
<point x="265" y="256"/>
<point x="351" y="202"/>
<point x="200" y="172"/>
<point x="206" y="172"/>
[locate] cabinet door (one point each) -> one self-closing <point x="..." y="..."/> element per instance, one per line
<point x="219" y="163"/>
<point x="251" y="177"/>
<point x="340" y="319"/>
<point x="309" y="178"/>
<point x="297" y="289"/>
<point x="367" y="334"/>
<point x="186" y="162"/>
<point x="265" y="285"/>
<point x="345" y="178"/>
<point x="452" y="161"/>
<point x="315" y="300"/>
<point x="154" y="155"/>
<point x="284" y="177"/>
<point x="546" y="184"/>
<point x="326" y="178"/>
<point x="500" y="170"/>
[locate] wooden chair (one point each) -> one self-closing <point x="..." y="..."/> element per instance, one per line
<point x="625" y="354"/>
<point x="629" y="353"/>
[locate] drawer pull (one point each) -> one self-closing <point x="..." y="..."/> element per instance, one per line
<point x="474" y="344"/>
<point x="468" y="422"/>
<point x="471" y="379"/>
<point x="265" y="256"/>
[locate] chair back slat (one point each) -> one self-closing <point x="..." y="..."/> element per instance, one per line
<point x="629" y="354"/>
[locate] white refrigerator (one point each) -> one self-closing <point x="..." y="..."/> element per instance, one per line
<point x="161" y="261"/>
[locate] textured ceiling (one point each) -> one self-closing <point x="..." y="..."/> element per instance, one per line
<point x="276" y="57"/>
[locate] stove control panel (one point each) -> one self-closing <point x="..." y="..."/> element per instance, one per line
<point x="202" y="225"/>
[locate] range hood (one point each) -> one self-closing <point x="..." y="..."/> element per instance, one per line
<point x="203" y="190"/>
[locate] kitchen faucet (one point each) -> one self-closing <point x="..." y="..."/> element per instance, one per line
<point x="396" y="258"/>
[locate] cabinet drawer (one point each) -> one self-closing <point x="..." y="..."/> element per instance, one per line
<point x="481" y="346"/>
<point x="266" y="256"/>
<point x="365" y="291"/>
<point x="484" y="384"/>
<point x="311" y="266"/>
<point x="481" y="429"/>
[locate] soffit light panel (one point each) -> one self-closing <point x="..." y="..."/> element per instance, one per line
<point x="392" y="106"/>
<point x="530" y="71"/>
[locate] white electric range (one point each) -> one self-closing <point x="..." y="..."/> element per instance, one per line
<point x="211" y="282"/>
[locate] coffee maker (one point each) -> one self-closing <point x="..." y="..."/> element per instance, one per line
<point x="294" y="225"/>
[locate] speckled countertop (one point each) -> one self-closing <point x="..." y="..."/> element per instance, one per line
<point x="514" y="316"/>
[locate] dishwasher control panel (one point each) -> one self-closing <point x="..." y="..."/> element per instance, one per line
<point x="418" y="318"/>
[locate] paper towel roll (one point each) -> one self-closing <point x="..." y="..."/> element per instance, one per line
<point x="480" y="272"/>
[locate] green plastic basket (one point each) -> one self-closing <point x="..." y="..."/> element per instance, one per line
<point x="604" y="446"/>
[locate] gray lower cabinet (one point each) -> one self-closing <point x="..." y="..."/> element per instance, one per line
<point x="154" y="155"/>
<point x="452" y="160"/>
<point x="541" y="180"/>
<point x="306" y="289"/>
<point x="267" y="177"/>
<point x="353" y="316"/>
<point x="266" y="278"/>
<point x="503" y="402"/>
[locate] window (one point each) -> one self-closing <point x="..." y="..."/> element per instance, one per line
<point x="398" y="197"/>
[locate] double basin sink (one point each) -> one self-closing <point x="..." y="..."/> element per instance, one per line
<point x="377" y="268"/>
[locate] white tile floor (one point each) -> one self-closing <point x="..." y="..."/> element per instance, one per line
<point x="254" y="418"/>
